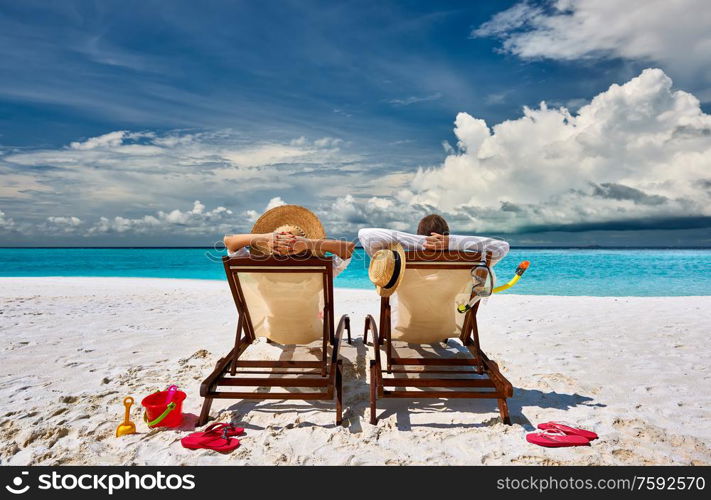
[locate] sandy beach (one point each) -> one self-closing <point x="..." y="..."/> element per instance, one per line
<point x="635" y="370"/>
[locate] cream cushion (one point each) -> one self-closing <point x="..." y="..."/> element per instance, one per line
<point x="427" y="304"/>
<point x="285" y="307"/>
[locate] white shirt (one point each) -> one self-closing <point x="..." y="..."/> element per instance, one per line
<point x="374" y="239"/>
<point x="339" y="264"/>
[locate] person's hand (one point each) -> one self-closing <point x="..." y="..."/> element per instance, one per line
<point x="266" y="242"/>
<point x="436" y="242"/>
<point x="287" y="243"/>
<point x="299" y="244"/>
<point x="283" y="243"/>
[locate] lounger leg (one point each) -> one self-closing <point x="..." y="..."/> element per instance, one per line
<point x="504" y="411"/>
<point x="348" y="329"/>
<point x="373" y="391"/>
<point x="339" y="392"/>
<point x="205" y="413"/>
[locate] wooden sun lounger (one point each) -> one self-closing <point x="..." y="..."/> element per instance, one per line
<point x="324" y="374"/>
<point x="473" y="376"/>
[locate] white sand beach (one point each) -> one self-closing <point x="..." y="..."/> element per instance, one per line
<point x="635" y="370"/>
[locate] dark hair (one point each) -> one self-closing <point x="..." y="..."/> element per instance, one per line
<point x="432" y="223"/>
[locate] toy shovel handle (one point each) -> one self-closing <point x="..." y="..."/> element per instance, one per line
<point x="171" y="392"/>
<point x="127" y="403"/>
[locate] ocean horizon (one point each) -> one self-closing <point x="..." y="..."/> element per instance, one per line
<point x="573" y="271"/>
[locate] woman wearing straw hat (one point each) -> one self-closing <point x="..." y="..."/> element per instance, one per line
<point x="289" y="230"/>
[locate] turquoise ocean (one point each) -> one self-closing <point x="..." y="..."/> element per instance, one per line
<point x="596" y="272"/>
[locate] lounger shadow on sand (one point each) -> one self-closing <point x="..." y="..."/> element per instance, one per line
<point x="523" y="398"/>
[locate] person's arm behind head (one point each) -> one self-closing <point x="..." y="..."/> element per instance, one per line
<point x="343" y="249"/>
<point x="234" y="242"/>
<point x="374" y="239"/>
<point x="498" y="248"/>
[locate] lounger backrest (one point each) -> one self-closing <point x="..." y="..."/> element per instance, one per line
<point x="428" y="295"/>
<point x="284" y="297"/>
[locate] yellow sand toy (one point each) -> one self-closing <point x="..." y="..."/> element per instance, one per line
<point x="126" y="427"/>
<point x="484" y="279"/>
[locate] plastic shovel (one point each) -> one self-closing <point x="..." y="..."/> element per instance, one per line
<point x="171" y="393"/>
<point x="126" y="427"/>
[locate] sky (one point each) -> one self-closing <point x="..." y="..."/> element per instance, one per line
<point x="546" y="123"/>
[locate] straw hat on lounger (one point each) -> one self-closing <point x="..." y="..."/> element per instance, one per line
<point x="387" y="269"/>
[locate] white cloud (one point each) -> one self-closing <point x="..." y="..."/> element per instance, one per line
<point x="406" y="101"/>
<point x="274" y="202"/>
<point x="110" y="140"/>
<point x="221" y="154"/>
<point x="20" y="185"/>
<point x="104" y="181"/>
<point x="126" y="172"/>
<point x="496" y="98"/>
<point x="637" y="150"/>
<point x="328" y="142"/>
<point x="194" y="221"/>
<point x="251" y="216"/>
<point x="67" y="225"/>
<point x="347" y="214"/>
<point x="675" y="33"/>
<point x="266" y="155"/>
<point x="65" y="221"/>
<point x="5" y="221"/>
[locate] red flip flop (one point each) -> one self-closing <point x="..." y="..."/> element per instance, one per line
<point x="568" y="428"/>
<point x="215" y="437"/>
<point x="556" y="439"/>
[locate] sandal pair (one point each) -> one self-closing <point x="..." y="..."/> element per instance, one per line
<point x="560" y="435"/>
<point x="217" y="437"/>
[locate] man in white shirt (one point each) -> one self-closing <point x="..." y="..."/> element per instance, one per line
<point x="432" y="234"/>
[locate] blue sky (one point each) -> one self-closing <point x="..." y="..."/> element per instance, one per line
<point x="366" y="112"/>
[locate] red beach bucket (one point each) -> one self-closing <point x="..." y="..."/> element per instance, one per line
<point x="164" y="408"/>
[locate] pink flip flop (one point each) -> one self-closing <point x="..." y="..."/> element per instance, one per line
<point x="568" y="428"/>
<point x="556" y="439"/>
<point x="215" y="437"/>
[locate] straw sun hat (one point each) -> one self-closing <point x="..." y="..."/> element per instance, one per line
<point x="387" y="268"/>
<point x="292" y="219"/>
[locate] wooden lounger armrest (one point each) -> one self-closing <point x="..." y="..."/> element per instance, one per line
<point x="371" y="325"/>
<point x="344" y="323"/>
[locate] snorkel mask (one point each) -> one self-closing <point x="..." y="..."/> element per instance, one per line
<point x="483" y="281"/>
